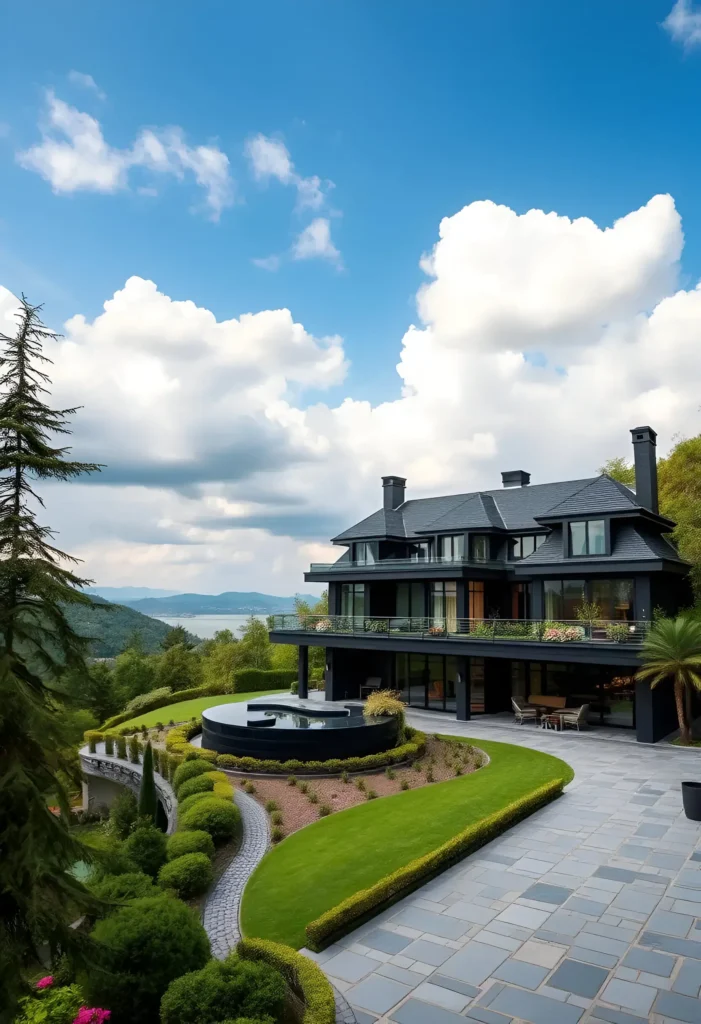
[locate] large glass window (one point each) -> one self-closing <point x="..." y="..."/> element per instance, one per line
<point x="522" y="547"/>
<point x="365" y="552"/>
<point x="453" y="548"/>
<point x="479" y="547"/>
<point x="353" y="599"/>
<point x="614" y="598"/>
<point x="420" y="552"/>
<point x="563" y="598"/>
<point x="410" y="600"/>
<point x="588" y="538"/>
<point x="475" y="594"/>
<point x="444" y="605"/>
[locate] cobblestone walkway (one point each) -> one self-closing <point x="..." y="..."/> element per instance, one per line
<point x="221" y="911"/>
<point x="588" y="911"/>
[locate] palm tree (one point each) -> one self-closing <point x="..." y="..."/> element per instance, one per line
<point x="672" y="650"/>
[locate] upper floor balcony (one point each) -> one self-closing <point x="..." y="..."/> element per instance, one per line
<point x="430" y="565"/>
<point x="571" y="633"/>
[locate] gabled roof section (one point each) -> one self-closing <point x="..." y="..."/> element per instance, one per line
<point x="596" y="497"/>
<point x="386" y="522"/>
<point x="479" y="511"/>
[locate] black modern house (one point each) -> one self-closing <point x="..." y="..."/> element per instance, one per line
<point x="463" y="601"/>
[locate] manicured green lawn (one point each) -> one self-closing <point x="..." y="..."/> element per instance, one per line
<point x="314" y="869"/>
<point x="188" y="709"/>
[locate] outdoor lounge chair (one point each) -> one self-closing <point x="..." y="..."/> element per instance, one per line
<point x="371" y="684"/>
<point x="523" y="712"/>
<point x="577" y="717"/>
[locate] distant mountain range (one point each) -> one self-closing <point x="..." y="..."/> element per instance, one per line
<point x="122" y="594"/>
<point x="229" y="603"/>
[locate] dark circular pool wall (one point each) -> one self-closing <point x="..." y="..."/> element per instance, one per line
<point x="246" y="731"/>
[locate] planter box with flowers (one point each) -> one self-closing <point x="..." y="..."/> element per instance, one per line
<point x="557" y="633"/>
<point x="436" y="631"/>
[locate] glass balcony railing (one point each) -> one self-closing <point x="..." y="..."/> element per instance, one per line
<point x="390" y="564"/>
<point x="561" y="631"/>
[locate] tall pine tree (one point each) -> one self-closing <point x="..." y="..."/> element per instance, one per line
<point x="38" y="897"/>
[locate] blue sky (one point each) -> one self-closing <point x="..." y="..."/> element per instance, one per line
<point x="413" y="110"/>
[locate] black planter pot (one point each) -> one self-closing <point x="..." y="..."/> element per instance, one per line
<point x="691" y="798"/>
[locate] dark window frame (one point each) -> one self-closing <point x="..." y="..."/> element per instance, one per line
<point x="537" y="538"/>
<point x="585" y="522"/>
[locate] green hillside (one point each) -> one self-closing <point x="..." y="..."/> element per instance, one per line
<point x="111" y="625"/>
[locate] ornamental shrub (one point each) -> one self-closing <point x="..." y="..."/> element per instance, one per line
<point x="123" y="813"/>
<point x="252" y="680"/>
<point x="188" y="770"/>
<point x="302" y="975"/>
<point x="134" y="748"/>
<point x="181" y="843"/>
<point x="146" y="847"/>
<point x="189" y="875"/>
<point x="144" y="700"/>
<point x="188" y="802"/>
<point x="109" y="744"/>
<point x="52" y="1005"/>
<point x="211" y="814"/>
<point x="142" y="947"/>
<point x="130" y="886"/>
<point x="122" y="748"/>
<point x="199" y="784"/>
<point x="222" y="990"/>
<point x="224" y="790"/>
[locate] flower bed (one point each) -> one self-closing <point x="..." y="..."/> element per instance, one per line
<point x="304" y="801"/>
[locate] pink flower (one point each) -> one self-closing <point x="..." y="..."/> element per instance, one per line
<point x="92" y="1015"/>
<point x="46" y="982"/>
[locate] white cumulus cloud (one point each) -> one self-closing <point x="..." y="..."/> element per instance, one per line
<point x="84" y="81"/>
<point x="74" y="155"/>
<point x="684" y="24"/>
<point x="222" y="476"/>
<point x="314" y="242"/>
<point x="270" y="158"/>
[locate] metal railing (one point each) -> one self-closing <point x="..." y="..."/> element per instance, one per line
<point x="387" y="564"/>
<point x="567" y="631"/>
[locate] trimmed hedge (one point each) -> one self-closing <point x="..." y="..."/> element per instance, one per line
<point x="181" y="843"/>
<point x="221" y="818"/>
<point x="246" y="680"/>
<point x="346" y="915"/>
<point x="303" y="976"/>
<point x="224" y="790"/>
<point x="253" y="680"/>
<point x="406" y="752"/>
<point x="92" y="736"/>
<point x="190" y="801"/>
<point x="189" y="770"/>
<point x="200" y="784"/>
<point x="130" y="886"/>
<point x="189" y="875"/>
<point x="145" y="700"/>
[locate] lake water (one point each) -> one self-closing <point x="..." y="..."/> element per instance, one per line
<point x="205" y="626"/>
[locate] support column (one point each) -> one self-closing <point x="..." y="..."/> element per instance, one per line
<point x="462" y="691"/>
<point x="303" y="672"/>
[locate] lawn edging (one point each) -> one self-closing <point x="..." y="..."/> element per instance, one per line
<point x="351" y="912"/>
<point x="305" y="978"/>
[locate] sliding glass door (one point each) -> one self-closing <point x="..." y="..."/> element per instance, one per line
<point x="427" y="680"/>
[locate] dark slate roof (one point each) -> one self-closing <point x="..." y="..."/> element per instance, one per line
<point x="630" y="543"/>
<point x="479" y="510"/>
<point x="598" y="496"/>
<point x="383" y="523"/>
<point x="511" y="508"/>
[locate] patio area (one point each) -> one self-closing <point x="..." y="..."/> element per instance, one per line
<point x="588" y="911"/>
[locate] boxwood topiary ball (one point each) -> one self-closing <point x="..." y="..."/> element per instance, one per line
<point x="181" y="843"/>
<point x="198" y="784"/>
<point x="189" y="875"/>
<point x="188" y="770"/>
<point x="220" y="818"/>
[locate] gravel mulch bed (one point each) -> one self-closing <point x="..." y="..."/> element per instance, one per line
<point x="442" y="761"/>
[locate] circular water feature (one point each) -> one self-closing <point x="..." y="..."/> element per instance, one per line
<point x="295" y="731"/>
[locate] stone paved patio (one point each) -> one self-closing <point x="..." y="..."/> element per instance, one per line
<point x="589" y="911"/>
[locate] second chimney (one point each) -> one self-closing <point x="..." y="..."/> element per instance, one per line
<point x="515" y="478"/>
<point x="645" y="452"/>
<point x="393" y="488"/>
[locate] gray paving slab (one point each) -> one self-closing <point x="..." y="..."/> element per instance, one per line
<point x="376" y="994"/>
<point x="387" y="942"/>
<point x="598" y="879"/>
<point x="678" y="1007"/>
<point x="688" y="980"/>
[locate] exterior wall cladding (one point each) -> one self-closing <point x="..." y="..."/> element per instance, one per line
<point x="465" y="601"/>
